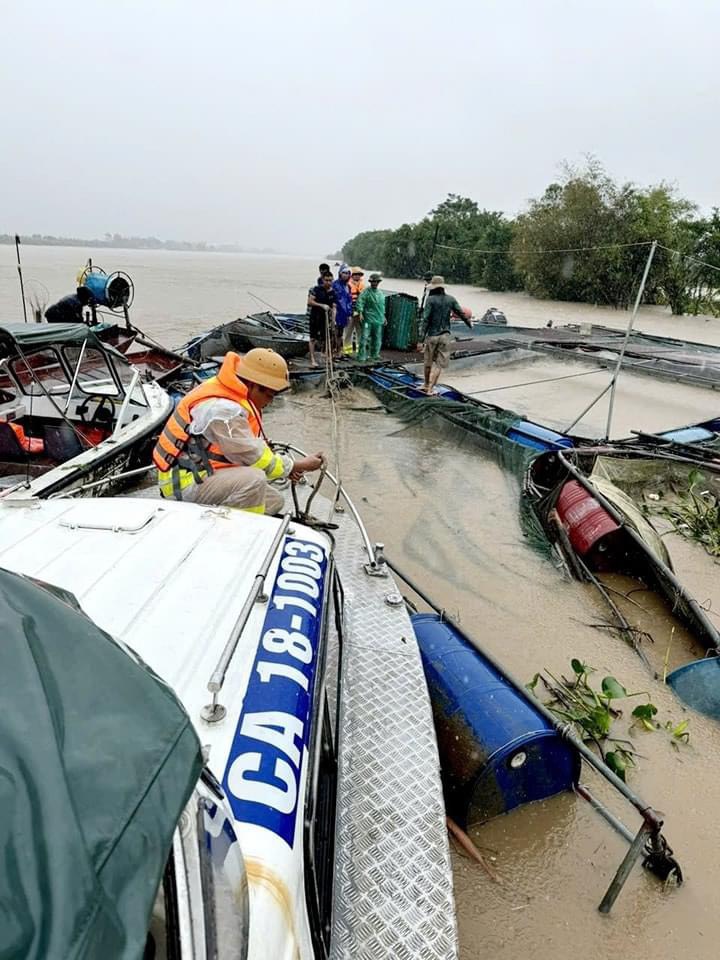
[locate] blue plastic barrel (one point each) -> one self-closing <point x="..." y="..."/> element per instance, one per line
<point x="110" y="291"/>
<point x="698" y="685"/>
<point x="689" y="435"/>
<point x="497" y="751"/>
<point x="539" y="438"/>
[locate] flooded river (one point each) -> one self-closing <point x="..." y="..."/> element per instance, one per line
<point x="448" y="515"/>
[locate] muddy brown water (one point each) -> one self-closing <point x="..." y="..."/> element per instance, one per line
<point x="448" y="515"/>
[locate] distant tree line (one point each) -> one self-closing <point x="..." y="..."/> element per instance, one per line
<point x="115" y="240"/>
<point x="544" y="250"/>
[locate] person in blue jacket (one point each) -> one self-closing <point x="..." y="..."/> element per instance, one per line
<point x="344" y="305"/>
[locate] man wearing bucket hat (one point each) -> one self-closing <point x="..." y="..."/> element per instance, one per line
<point x="439" y="307"/>
<point x="371" y="310"/>
<point x="213" y="449"/>
<point x="353" y="331"/>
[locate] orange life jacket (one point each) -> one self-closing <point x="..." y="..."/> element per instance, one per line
<point x="356" y="288"/>
<point x="29" y="444"/>
<point x="175" y="446"/>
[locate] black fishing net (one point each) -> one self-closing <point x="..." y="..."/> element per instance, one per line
<point x="489" y="427"/>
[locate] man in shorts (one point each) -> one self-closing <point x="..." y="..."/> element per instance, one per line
<point x="439" y="307"/>
<point x="321" y="301"/>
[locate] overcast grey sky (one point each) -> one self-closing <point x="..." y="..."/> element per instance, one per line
<point x="295" y="125"/>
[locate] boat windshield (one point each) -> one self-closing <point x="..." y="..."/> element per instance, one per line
<point x="91" y="371"/>
<point x="41" y="365"/>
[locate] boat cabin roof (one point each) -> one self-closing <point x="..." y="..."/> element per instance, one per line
<point x="31" y="335"/>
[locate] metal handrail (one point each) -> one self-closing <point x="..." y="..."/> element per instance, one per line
<point x="214" y="711"/>
<point x="375" y="562"/>
<point x="125" y="405"/>
<point x="76" y="374"/>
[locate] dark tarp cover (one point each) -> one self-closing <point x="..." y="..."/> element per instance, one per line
<point x="30" y="336"/>
<point x="97" y="761"/>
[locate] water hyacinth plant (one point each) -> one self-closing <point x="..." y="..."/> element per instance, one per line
<point x="594" y="713"/>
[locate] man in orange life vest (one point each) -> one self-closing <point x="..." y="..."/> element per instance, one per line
<point x="213" y="449"/>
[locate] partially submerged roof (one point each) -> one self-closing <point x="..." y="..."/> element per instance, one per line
<point x="98" y="761"/>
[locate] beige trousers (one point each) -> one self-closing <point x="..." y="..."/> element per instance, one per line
<point x="245" y="488"/>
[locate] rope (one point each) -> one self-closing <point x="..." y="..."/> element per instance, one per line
<point x="688" y="256"/>
<point x="529" y="383"/>
<point x="331" y="385"/>
<point x="264" y="302"/>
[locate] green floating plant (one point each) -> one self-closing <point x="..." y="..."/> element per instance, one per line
<point x="594" y="713"/>
<point x="697" y="515"/>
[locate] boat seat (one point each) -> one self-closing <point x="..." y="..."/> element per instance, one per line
<point x="61" y="442"/>
<point x="10" y="448"/>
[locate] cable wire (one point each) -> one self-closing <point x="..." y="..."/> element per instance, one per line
<point x="529" y="383"/>
<point x="600" y="246"/>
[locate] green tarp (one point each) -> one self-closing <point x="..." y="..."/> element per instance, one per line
<point x="31" y="336"/>
<point x="97" y="761"/>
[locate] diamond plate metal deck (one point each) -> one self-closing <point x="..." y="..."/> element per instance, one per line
<point x="393" y="882"/>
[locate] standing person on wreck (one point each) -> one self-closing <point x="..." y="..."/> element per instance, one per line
<point x="371" y="310"/>
<point x="213" y="449"/>
<point x="439" y="307"/>
<point x="321" y="301"/>
<point x="353" y="331"/>
<point x="343" y="307"/>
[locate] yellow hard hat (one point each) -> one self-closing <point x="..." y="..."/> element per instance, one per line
<point x="264" y="367"/>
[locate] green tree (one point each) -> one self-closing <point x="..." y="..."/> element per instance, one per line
<point x="587" y="238"/>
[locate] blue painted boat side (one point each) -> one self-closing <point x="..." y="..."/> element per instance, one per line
<point x="698" y="685"/>
<point x="533" y="435"/>
<point x="497" y="751"/>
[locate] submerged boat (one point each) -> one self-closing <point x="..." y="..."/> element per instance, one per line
<point x="276" y="331"/>
<point x="597" y="529"/>
<point x="396" y="386"/>
<point x="402" y="391"/>
<point x="246" y="334"/>
<point x="73" y="411"/>
<point x="295" y="658"/>
<point x="593" y="527"/>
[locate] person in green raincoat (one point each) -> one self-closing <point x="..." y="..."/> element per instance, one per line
<point x="371" y="308"/>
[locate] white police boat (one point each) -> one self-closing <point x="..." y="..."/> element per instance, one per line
<point x="318" y="828"/>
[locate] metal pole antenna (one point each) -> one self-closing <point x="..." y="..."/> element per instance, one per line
<point x="19" y="267"/>
<point x="638" y="298"/>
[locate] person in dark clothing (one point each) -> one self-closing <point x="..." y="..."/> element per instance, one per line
<point x="69" y="309"/>
<point x="322" y="303"/>
<point x="439" y="308"/>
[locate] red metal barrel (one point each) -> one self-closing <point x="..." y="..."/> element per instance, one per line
<point x="590" y="527"/>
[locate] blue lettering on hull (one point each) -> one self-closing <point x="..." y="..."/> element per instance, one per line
<point x="262" y="776"/>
